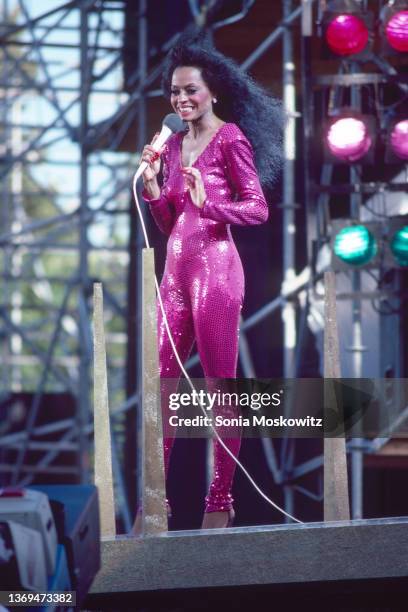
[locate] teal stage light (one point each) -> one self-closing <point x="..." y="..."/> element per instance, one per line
<point x="355" y="245"/>
<point x="399" y="246"/>
<point x="359" y="245"/>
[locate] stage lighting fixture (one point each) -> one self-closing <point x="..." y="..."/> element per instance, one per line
<point x="399" y="139"/>
<point x="395" y="26"/>
<point x="355" y="245"/>
<point x="372" y="244"/>
<point x="350" y="137"/>
<point x="347" y="29"/>
<point x="398" y="240"/>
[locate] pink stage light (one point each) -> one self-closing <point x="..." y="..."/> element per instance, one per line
<point x="396" y="31"/>
<point x="348" y="139"/>
<point x="399" y="139"/>
<point x="347" y="35"/>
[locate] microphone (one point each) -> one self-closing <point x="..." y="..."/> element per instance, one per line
<point x="171" y="125"/>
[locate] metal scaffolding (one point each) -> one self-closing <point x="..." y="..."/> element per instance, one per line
<point x="65" y="218"/>
<point x="64" y="115"/>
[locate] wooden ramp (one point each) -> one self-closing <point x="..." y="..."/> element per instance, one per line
<point x="291" y="559"/>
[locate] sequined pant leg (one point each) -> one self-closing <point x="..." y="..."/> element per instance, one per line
<point x="179" y="317"/>
<point x="216" y="323"/>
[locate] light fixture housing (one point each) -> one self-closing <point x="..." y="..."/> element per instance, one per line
<point x="354" y="244"/>
<point x="394" y="27"/>
<point x="347" y="30"/>
<point x="398" y="242"/>
<point x="349" y="138"/>
<point x="397" y="141"/>
<point x="357" y="245"/>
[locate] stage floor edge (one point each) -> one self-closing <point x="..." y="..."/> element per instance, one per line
<point x="294" y="554"/>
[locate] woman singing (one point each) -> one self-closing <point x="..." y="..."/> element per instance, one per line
<point x="212" y="175"/>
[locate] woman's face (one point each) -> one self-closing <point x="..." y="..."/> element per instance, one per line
<point x="190" y="96"/>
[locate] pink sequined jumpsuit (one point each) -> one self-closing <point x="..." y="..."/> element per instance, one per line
<point x="203" y="282"/>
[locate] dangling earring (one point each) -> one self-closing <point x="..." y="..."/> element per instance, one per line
<point x="214" y="100"/>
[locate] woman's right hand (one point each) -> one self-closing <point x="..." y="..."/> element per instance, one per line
<point x="152" y="158"/>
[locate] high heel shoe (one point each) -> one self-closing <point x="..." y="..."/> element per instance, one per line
<point x="218" y="520"/>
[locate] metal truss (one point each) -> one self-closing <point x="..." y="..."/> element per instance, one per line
<point x="65" y="211"/>
<point x="65" y="216"/>
<point x="47" y="340"/>
<point x="319" y="206"/>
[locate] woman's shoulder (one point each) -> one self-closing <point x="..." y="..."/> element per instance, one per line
<point x="232" y="131"/>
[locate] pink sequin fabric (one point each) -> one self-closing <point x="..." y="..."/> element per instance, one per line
<point x="203" y="282"/>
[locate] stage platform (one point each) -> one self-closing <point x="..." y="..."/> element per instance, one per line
<point x="293" y="564"/>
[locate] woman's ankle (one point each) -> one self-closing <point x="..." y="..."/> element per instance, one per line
<point x="218" y="519"/>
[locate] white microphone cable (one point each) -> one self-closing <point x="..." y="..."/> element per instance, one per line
<point x="166" y="324"/>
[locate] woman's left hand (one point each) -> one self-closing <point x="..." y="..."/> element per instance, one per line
<point x="195" y="185"/>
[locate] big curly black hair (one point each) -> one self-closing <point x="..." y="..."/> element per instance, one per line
<point x="240" y="100"/>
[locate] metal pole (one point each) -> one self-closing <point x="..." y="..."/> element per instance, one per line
<point x="16" y="225"/>
<point x="307" y="96"/>
<point x="6" y="218"/>
<point x="141" y="141"/>
<point x="288" y="227"/>
<point x="356" y="348"/>
<point x="271" y="39"/>
<point x="84" y="374"/>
